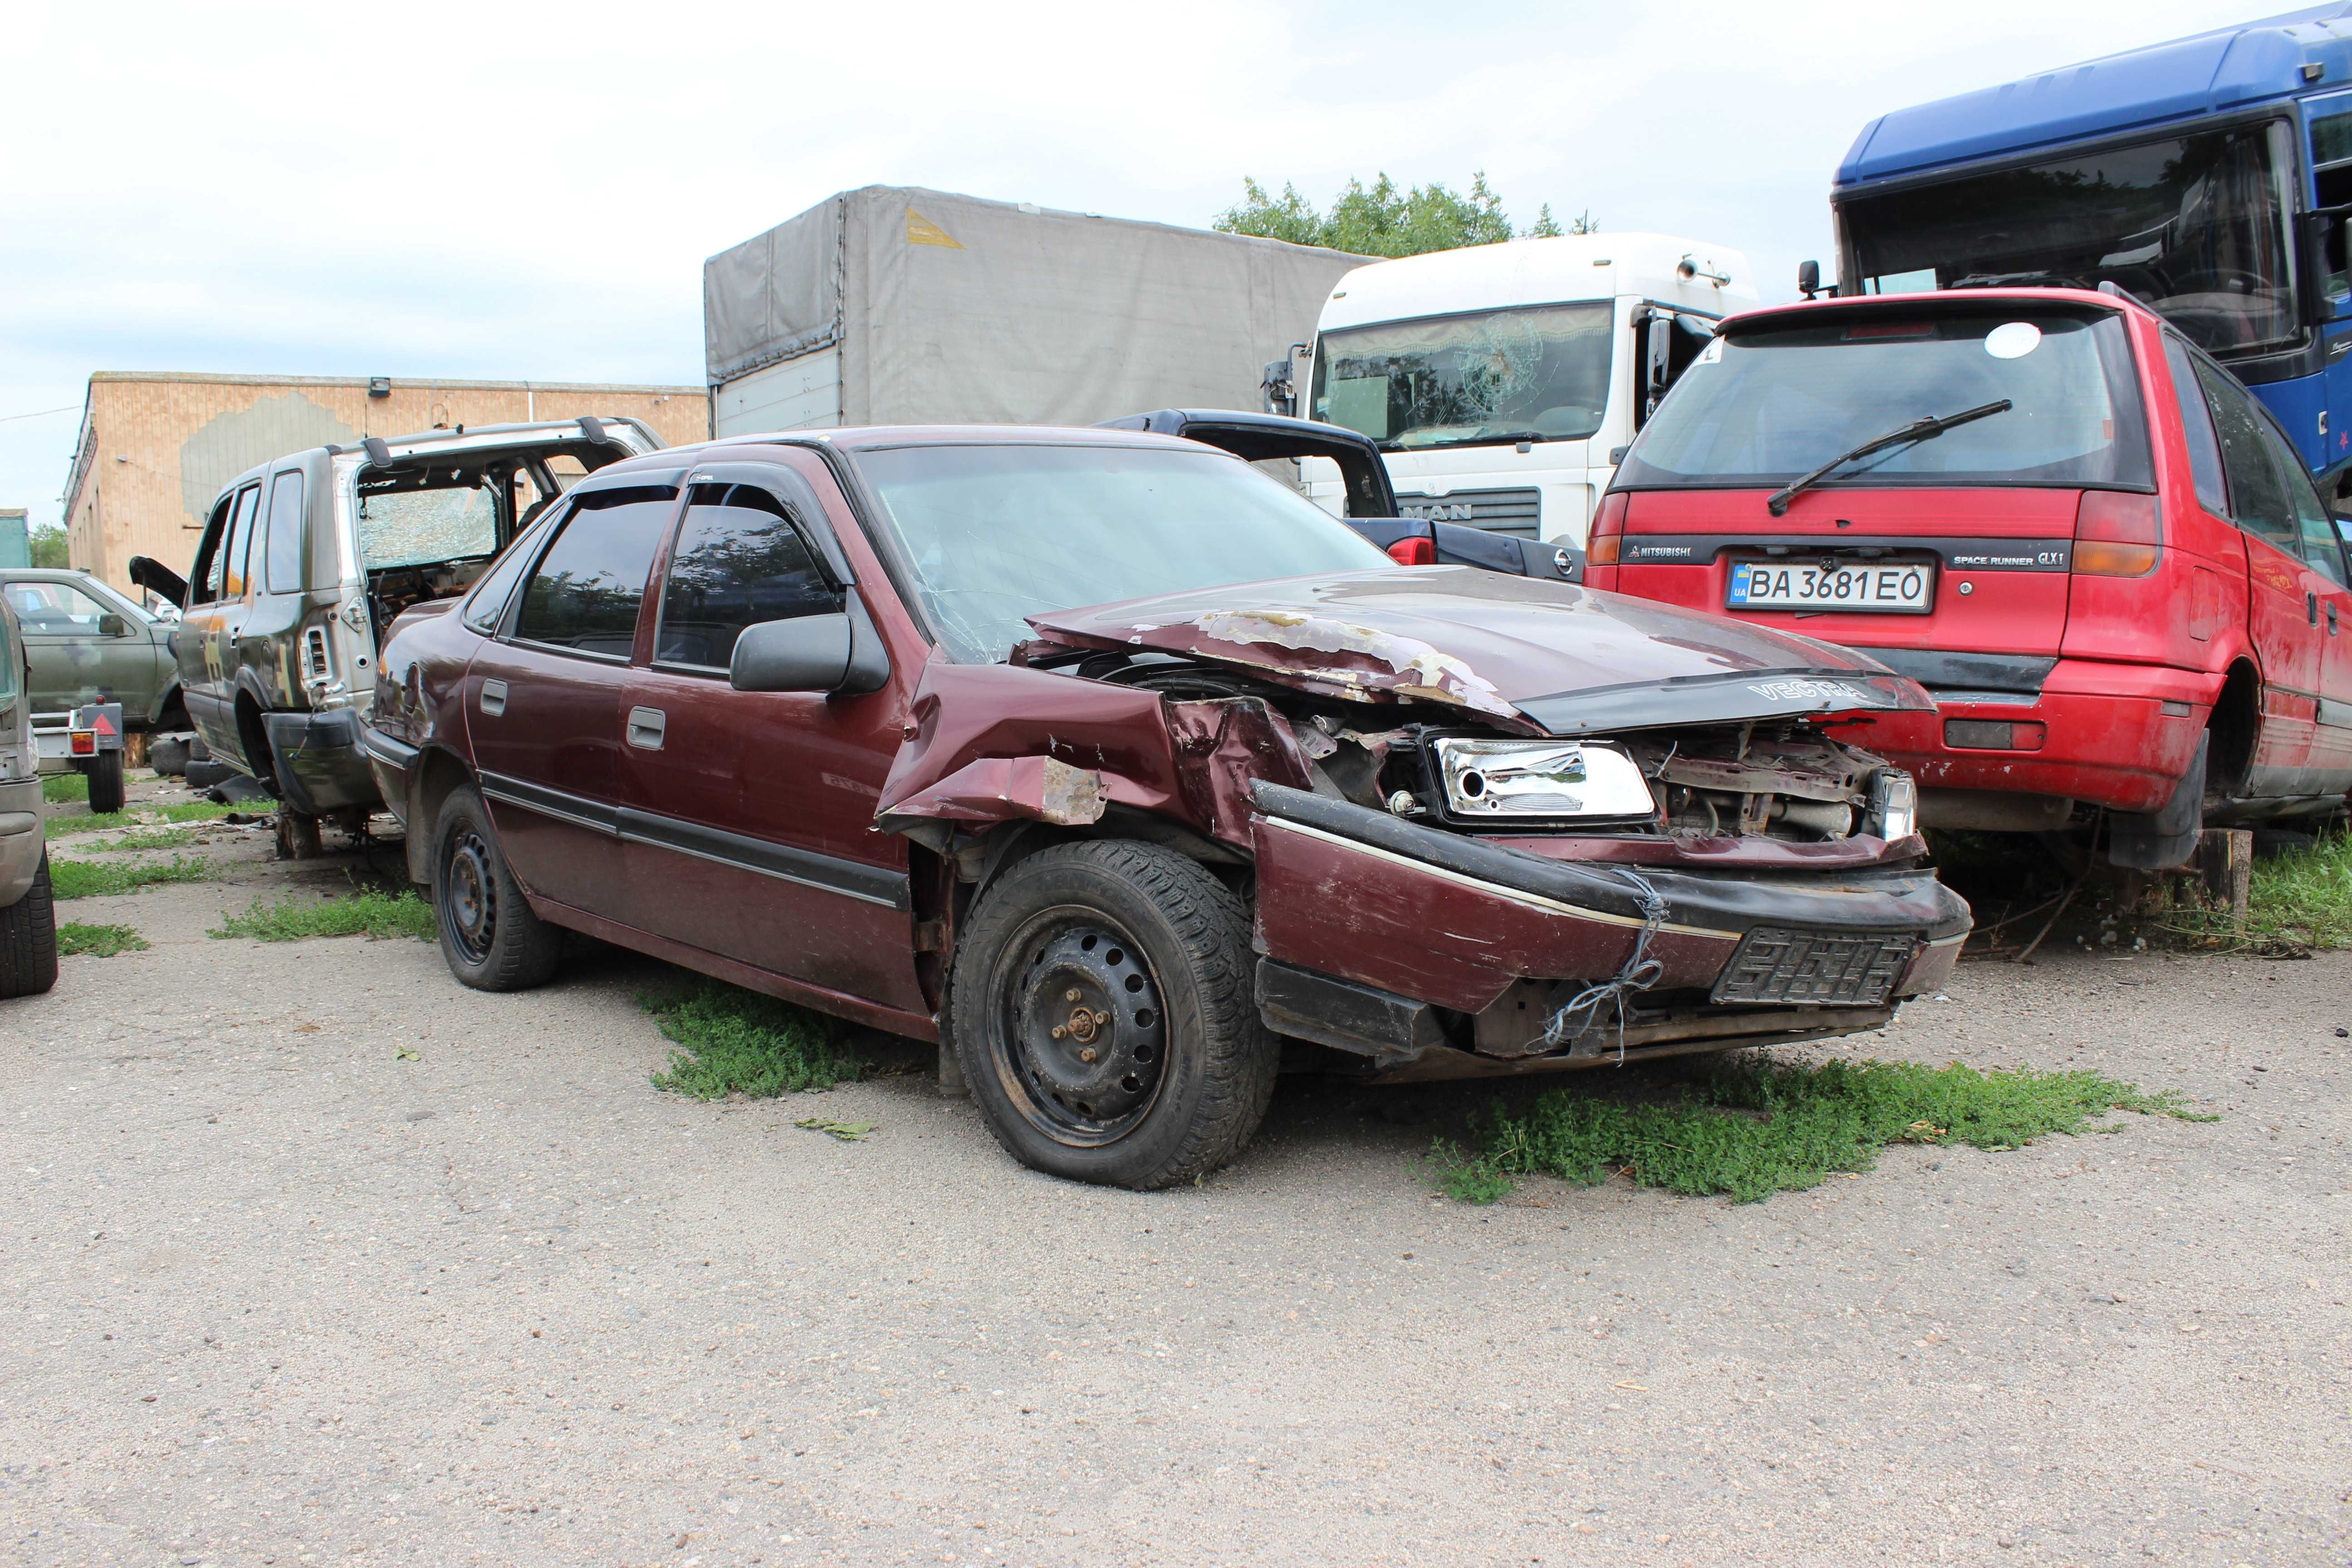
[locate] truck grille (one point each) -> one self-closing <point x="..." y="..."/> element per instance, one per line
<point x="1514" y="511"/>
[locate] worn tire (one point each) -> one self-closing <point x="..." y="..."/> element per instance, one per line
<point x="489" y="937"/>
<point x="106" y="782"/>
<point x="28" y="940"/>
<point x="168" y="757"/>
<point x="1210" y="1064"/>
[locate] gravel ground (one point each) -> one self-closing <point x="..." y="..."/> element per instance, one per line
<point x="315" y="1258"/>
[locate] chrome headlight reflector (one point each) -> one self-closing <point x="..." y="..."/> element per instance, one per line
<point x="1528" y="781"/>
<point x="1894" y="806"/>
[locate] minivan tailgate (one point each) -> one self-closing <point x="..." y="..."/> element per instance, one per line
<point x="1999" y="559"/>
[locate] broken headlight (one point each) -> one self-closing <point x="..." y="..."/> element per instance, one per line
<point x="1528" y="781"/>
<point x="1894" y="806"/>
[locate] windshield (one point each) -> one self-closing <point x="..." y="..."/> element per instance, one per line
<point x="991" y="535"/>
<point x="1763" y="407"/>
<point x="2196" y="225"/>
<point x="1538" y="374"/>
<point x="409" y="528"/>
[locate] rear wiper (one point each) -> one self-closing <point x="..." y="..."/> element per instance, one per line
<point x="1917" y="430"/>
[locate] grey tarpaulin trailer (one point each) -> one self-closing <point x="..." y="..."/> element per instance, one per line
<point x="896" y="305"/>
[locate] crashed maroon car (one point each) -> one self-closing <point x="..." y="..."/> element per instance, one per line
<point x="1131" y="777"/>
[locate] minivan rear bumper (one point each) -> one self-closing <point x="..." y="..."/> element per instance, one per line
<point x="2115" y="735"/>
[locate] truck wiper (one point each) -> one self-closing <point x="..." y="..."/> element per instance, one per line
<point x="1924" y="429"/>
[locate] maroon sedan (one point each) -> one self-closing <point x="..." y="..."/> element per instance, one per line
<point x="1132" y="777"/>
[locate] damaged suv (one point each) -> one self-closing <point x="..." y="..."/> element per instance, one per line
<point x="1003" y="739"/>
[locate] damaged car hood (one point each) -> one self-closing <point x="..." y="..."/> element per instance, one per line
<point x="1545" y="656"/>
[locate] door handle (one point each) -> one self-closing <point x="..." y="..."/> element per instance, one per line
<point x="2331" y="618"/>
<point x="494" y="698"/>
<point x="2311" y="607"/>
<point x="646" y="728"/>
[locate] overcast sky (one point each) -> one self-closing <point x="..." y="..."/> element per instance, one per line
<point x="508" y="190"/>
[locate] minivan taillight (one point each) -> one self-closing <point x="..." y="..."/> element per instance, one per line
<point x="1601" y="547"/>
<point x="2115" y="535"/>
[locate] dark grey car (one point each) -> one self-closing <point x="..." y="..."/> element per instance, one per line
<point x="305" y="560"/>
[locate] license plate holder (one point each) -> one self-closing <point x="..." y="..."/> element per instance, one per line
<point x="1779" y="966"/>
<point x="1867" y="587"/>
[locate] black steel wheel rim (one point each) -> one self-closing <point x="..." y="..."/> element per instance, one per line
<point x="1078" y="1027"/>
<point x="469" y="901"/>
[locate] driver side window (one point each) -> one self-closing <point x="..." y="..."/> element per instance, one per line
<point x="739" y="562"/>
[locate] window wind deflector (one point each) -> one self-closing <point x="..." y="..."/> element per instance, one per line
<point x="1917" y="430"/>
<point x="799" y="497"/>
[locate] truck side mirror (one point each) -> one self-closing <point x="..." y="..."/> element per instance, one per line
<point x="1809" y="278"/>
<point x="1658" y="356"/>
<point x="1276" y="383"/>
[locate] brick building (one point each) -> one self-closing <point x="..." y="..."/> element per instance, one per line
<point x="156" y="449"/>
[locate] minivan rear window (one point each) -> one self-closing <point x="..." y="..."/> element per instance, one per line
<point x="1764" y="406"/>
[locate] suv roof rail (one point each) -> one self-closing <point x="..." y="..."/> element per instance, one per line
<point x="2115" y="290"/>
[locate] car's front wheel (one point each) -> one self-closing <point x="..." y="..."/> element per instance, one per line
<point x="1102" y="1008"/>
<point x="488" y="934"/>
<point x="28" y="940"/>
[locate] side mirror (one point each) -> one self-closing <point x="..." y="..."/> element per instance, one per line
<point x="1809" y="278"/>
<point x="110" y="625"/>
<point x="838" y="653"/>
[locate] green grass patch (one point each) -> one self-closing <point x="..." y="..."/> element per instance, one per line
<point x="1748" y="1129"/>
<point x="76" y="940"/>
<point x="2298" y="899"/>
<point x="56" y="787"/>
<point x="371" y="912"/>
<point x="89" y="880"/>
<point x="734" y="1041"/>
<point x="151" y="838"/>
<point x="144" y="815"/>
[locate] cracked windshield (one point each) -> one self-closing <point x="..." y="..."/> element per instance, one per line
<point x="1539" y="374"/>
<point x="409" y="528"/>
<point x="991" y="535"/>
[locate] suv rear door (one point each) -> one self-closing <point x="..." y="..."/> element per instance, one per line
<point x="215" y="614"/>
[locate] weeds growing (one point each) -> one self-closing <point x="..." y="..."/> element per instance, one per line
<point x="738" y="1042"/>
<point x="153" y="838"/>
<point x="142" y="816"/>
<point x="88" y="880"/>
<point x="56" y="788"/>
<point x="76" y="940"/>
<point x="371" y="912"/>
<point x="2298" y="899"/>
<point x="1749" y="1129"/>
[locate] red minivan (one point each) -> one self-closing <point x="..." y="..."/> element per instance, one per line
<point x="2098" y="553"/>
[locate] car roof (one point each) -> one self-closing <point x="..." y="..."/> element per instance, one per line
<point x="875" y="438"/>
<point x="50" y="575"/>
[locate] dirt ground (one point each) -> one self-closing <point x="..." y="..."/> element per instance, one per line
<point x="315" y="1258"/>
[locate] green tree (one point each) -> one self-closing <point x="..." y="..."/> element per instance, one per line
<point x="48" y="545"/>
<point x="1386" y="219"/>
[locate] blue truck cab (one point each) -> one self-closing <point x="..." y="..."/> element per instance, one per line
<point x="2210" y="177"/>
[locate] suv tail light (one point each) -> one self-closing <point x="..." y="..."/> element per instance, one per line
<point x="1608" y="534"/>
<point x="1419" y="549"/>
<point x="2115" y="535"/>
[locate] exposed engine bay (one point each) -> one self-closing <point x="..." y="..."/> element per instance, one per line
<point x="1777" y="779"/>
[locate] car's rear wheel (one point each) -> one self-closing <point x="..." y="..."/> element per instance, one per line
<point x="106" y="782"/>
<point x="488" y="935"/>
<point x="28" y="940"/>
<point x="1102" y="1008"/>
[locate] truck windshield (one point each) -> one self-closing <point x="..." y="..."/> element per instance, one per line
<point x="1534" y="374"/>
<point x="991" y="535"/>
<point x="1765" y="405"/>
<point x="2196" y="225"/>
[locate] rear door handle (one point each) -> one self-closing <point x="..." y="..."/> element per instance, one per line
<point x="2311" y="607"/>
<point x="646" y="728"/>
<point x="494" y="698"/>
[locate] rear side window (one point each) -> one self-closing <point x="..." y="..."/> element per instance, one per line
<point x="2315" y="527"/>
<point x="485" y="607"/>
<point x="2257" y="495"/>
<point x="212" y="554"/>
<point x="589" y="584"/>
<point x="739" y="562"/>
<point x="240" y="541"/>
<point x="285" y="549"/>
<point x="2197" y="428"/>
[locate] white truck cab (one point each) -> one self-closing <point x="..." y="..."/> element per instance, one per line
<point x="1503" y="382"/>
